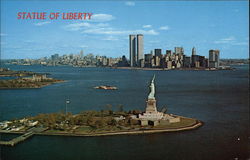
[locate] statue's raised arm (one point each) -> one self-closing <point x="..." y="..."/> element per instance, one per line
<point x="152" y="89"/>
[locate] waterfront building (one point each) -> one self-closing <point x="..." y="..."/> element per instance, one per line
<point x="202" y="61"/>
<point x="214" y="58"/>
<point x="104" y="61"/>
<point x="54" y="57"/>
<point x="147" y="59"/>
<point x="157" y="61"/>
<point x="153" y="62"/>
<point x="169" y="65"/>
<point x="194" y="60"/>
<point x="197" y="64"/>
<point x="187" y="62"/>
<point x="206" y="63"/>
<point x="157" y="57"/>
<point x="132" y="50"/>
<point x="178" y="64"/>
<point x="36" y="78"/>
<point x="109" y="61"/>
<point x="141" y="63"/>
<point x="140" y="49"/>
<point x="123" y="62"/>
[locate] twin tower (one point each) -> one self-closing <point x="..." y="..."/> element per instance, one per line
<point x="136" y="50"/>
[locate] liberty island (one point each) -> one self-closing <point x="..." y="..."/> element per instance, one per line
<point x="99" y="123"/>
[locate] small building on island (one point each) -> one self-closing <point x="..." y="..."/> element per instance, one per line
<point x="37" y="78"/>
<point x="151" y="116"/>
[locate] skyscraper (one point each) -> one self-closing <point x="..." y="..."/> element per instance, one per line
<point x="169" y="52"/>
<point x="179" y="50"/>
<point x="158" y="53"/>
<point x="140" y="48"/>
<point x="132" y="50"/>
<point x="136" y="50"/>
<point x="214" y="58"/>
<point x="81" y="54"/>
<point x="193" y="51"/>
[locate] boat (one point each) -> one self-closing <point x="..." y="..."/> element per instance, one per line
<point x="106" y="87"/>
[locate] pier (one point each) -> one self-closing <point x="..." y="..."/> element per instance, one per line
<point x="17" y="139"/>
<point x="23" y="137"/>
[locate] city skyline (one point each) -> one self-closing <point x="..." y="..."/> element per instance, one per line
<point x="205" y="25"/>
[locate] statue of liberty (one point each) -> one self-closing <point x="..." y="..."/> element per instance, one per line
<point x="152" y="89"/>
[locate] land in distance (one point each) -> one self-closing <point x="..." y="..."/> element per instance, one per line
<point x="21" y="83"/>
<point x="5" y="72"/>
<point x="36" y="80"/>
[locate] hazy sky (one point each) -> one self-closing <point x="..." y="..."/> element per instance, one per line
<point x="203" y="24"/>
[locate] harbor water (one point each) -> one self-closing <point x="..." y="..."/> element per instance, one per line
<point x="218" y="98"/>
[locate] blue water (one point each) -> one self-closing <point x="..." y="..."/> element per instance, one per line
<point x="218" y="98"/>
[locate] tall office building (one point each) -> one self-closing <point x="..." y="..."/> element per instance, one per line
<point x="195" y="61"/>
<point x="81" y="54"/>
<point x="147" y="60"/>
<point x="179" y="50"/>
<point x="169" y="52"/>
<point x="158" y="53"/>
<point x="214" y="58"/>
<point x="140" y="48"/>
<point x="187" y="62"/>
<point x="132" y="50"/>
<point x="193" y="51"/>
<point x="136" y="49"/>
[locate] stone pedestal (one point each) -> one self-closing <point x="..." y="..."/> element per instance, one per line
<point x="144" y="122"/>
<point x="151" y="106"/>
<point x="156" y="123"/>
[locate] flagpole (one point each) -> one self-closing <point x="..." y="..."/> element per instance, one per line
<point x="66" y="105"/>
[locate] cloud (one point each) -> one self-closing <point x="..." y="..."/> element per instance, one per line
<point x="42" y="23"/>
<point x="230" y="40"/>
<point x="164" y="28"/>
<point x="77" y="26"/>
<point x="102" y="17"/>
<point x="129" y="3"/>
<point x="111" y="31"/>
<point x="83" y="46"/>
<point x="110" y="38"/>
<point x="241" y="43"/>
<point x="84" y="25"/>
<point x="147" y="26"/>
<point x="104" y="28"/>
<point x="225" y="40"/>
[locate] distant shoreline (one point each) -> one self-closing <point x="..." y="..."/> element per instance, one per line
<point x="37" y="87"/>
<point x="165" y="69"/>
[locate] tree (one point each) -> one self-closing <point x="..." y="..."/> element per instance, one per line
<point x="112" y="122"/>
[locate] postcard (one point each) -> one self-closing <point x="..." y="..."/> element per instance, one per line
<point x="108" y="80"/>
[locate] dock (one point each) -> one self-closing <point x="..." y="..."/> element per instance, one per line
<point x="17" y="139"/>
<point x="23" y="137"/>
